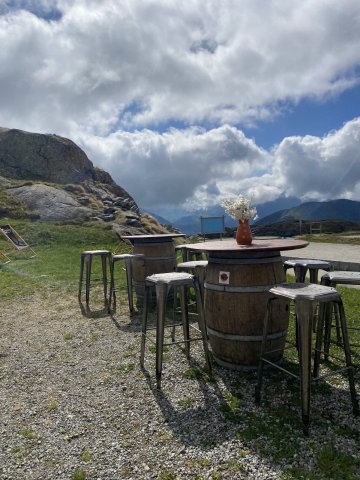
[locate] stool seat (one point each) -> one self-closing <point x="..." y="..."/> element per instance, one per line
<point x="341" y="277"/>
<point x="191" y="264"/>
<point x="305" y="291"/>
<point x="171" y="278"/>
<point x="163" y="282"/>
<point x="305" y="296"/>
<point x="302" y="265"/>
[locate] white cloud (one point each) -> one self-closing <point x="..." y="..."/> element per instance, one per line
<point x="190" y="61"/>
<point x="321" y="168"/>
<point x="198" y="168"/>
<point x="109" y="74"/>
<point x="175" y="166"/>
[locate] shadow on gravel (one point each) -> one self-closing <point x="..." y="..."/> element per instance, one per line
<point x="89" y="313"/>
<point x="200" y="425"/>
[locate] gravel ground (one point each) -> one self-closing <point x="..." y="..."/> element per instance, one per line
<point x="76" y="405"/>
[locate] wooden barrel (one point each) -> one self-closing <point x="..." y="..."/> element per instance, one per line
<point x="236" y="294"/>
<point x="159" y="257"/>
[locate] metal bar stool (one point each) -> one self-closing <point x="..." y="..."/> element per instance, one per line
<point x="187" y="254"/>
<point x="302" y="265"/>
<point x="128" y="260"/>
<point x="86" y="259"/>
<point x="305" y="297"/>
<point x="197" y="268"/>
<point x="163" y="282"/>
<point x="332" y="279"/>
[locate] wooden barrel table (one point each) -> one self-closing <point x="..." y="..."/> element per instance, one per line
<point x="158" y="257"/>
<point x="238" y="279"/>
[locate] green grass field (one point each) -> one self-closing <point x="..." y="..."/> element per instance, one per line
<point x="58" y="247"/>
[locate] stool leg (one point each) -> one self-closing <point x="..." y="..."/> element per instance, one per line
<point x="81" y="275"/>
<point x="161" y="294"/>
<point x="185" y="318"/>
<point x="128" y="269"/>
<point x="268" y="315"/>
<point x="202" y="322"/>
<point x="327" y="321"/>
<point x="200" y="274"/>
<point x="112" y="284"/>
<point x="300" y="273"/>
<point x="144" y="324"/>
<point x="323" y="312"/>
<point x="88" y="276"/>
<point x="346" y="346"/>
<point x="304" y="314"/>
<point x="104" y="259"/>
<point x="174" y="314"/>
<point x="327" y="329"/>
<point x="314" y="275"/>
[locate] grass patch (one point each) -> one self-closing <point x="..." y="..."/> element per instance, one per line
<point x="345" y="237"/>
<point x="28" y="433"/>
<point x="57" y="264"/>
<point x="79" y="475"/>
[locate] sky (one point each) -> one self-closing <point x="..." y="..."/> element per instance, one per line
<point x="190" y="102"/>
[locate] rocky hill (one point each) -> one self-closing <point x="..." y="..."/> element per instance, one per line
<point x="48" y="177"/>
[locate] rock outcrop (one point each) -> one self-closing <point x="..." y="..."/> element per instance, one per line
<point x="49" y="158"/>
<point x="51" y="178"/>
<point x="49" y="203"/>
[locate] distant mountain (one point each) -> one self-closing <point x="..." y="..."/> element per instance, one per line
<point x="331" y="210"/>
<point x="190" y="224"/>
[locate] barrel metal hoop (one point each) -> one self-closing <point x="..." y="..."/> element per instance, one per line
<point x="146" y="242"/>
<point x="169" y="257"/>
<point x="239" y="367"/>
<point x="245" y="261"/>
<point x="246" y="338"/>
<point x="229" y="289"/>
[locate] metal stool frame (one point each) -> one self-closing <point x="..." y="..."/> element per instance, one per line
<point x="187" y="254"/>
<point x="302" y="265"/>
<point x="197" y="268"/>
<point x="86" y="260"/>
<point x="163" y="282"/>
<point x="305" y="297"/>
<point x="127" y="260"/>
<point x="332" y="279"/>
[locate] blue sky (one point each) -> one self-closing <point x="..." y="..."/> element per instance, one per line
<point x="309" y="117"/>
<point x="187" y="103"/>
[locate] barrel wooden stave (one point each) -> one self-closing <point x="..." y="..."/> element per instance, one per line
<point x="235" y="318"/>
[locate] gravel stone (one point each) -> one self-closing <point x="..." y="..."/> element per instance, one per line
<point x="73" y="398"/>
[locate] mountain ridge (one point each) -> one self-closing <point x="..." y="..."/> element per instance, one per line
<point x="338" y="209"/>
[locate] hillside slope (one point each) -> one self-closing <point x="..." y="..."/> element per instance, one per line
<point x="342" y="209"/>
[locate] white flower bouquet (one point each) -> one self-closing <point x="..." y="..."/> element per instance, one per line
<point x="240" y="208"/>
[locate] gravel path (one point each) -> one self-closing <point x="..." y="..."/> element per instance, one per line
<point x="76" y="405"/>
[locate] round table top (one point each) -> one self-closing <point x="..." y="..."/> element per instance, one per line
<point x="276" y="244"/>
<point x="152" y="238"/>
